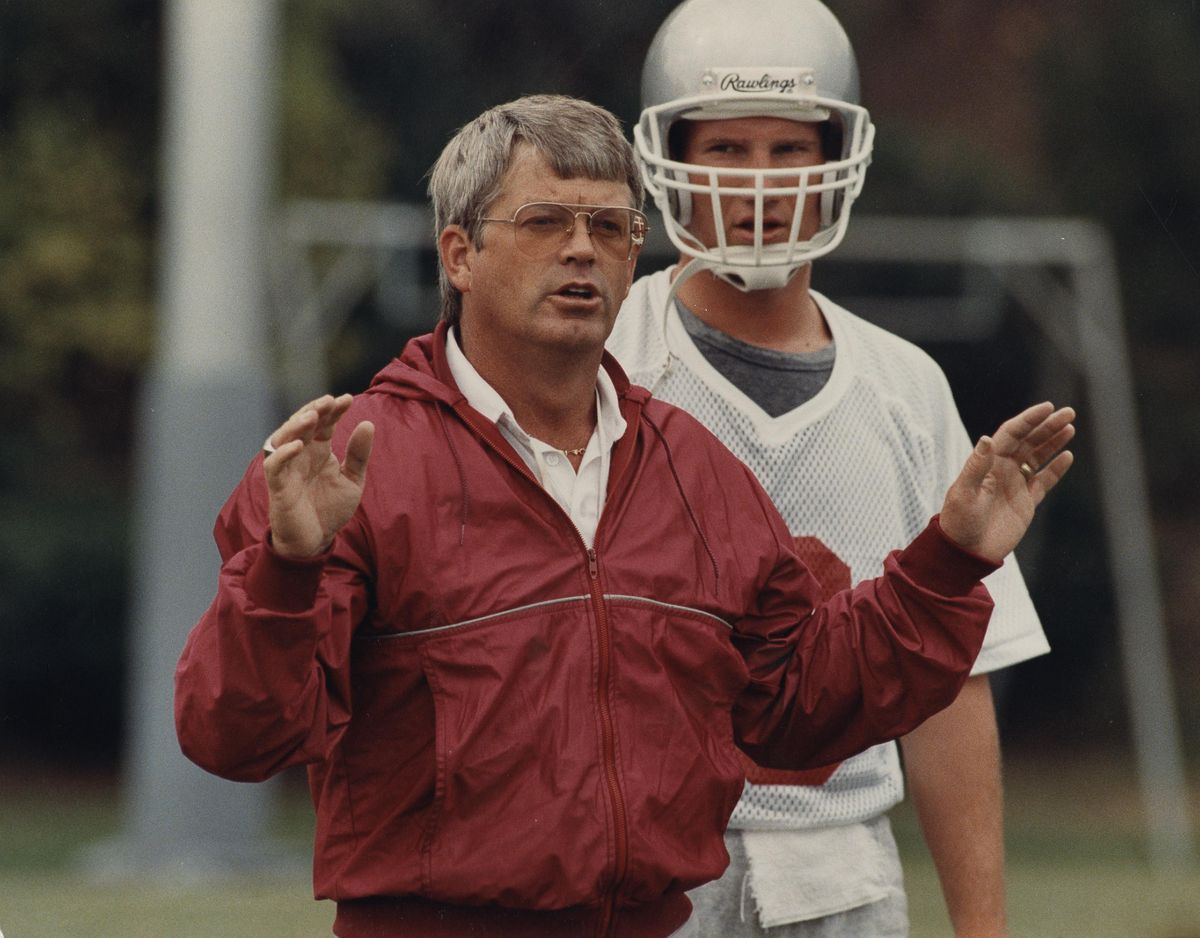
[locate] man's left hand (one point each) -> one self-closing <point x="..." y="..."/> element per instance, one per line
<point x="992" y="502"/>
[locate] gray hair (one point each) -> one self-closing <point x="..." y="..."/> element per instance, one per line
<point x="577" y="139"/>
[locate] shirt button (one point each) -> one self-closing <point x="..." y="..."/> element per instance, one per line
<point x="552" y="459"/>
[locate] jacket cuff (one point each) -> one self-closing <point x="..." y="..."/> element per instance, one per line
<point x="939" y="564"/>
<point x="283" y="584"/>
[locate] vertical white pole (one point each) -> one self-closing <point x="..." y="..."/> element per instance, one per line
<point x="206" y="408"/>
<point x="1102" y="354"/>
<point x="1145" y="657"/>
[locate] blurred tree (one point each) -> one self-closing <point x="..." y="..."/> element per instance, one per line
<point x="78" y="100"/>
<point x="76" y="144"/>
<point x="331" y="146"/>
<point x="79" y="117"/>
<point x="428" y="67"/>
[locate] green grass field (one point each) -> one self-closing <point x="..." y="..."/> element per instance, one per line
<point x="1076" y="868"/>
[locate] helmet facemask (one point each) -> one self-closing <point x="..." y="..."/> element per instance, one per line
<point x="675" y="185"/>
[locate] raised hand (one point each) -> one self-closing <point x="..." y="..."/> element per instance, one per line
<point x="991" y="504"/>
<point x="311" y="494"/>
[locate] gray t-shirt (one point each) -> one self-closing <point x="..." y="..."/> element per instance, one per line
<point x="776" y="381"/>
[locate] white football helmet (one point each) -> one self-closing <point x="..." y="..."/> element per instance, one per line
<point x="714" y="59"/>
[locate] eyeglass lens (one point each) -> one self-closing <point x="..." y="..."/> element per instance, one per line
<point x="542" y="227"/>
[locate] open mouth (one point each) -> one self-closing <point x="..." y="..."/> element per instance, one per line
<point x="771" y="231"/>
<point x="578" y="291"/>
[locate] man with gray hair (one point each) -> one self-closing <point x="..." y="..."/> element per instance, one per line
<point x="517" y="656"/>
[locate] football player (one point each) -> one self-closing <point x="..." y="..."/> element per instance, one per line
<point x="754" y="146"/>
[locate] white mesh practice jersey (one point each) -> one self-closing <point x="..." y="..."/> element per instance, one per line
<point x="856" y="472"/>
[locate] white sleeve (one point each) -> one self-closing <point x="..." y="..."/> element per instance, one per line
<point x="1015" y="631"/>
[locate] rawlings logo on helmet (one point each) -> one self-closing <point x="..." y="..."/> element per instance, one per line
<point x="791" y="81"/>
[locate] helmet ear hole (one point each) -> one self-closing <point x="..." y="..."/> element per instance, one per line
<point x="830" y="201"/>
<point x="832" y="138"/>
<point x="681" y="201"/>
<point x="832" y="145"/>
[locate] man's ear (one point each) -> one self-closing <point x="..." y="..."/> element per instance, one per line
<point x="457" y="253"/>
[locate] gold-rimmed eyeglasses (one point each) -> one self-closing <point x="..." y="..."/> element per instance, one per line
<point x="541" y="228"/>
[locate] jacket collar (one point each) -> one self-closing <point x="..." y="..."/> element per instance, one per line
<point x="422" y="372"/>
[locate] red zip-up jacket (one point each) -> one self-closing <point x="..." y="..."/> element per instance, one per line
<point x="509" y="733"/>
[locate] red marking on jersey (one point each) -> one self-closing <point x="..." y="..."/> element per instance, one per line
<point x="834" y="577"/>
<point x="825" y="565"/>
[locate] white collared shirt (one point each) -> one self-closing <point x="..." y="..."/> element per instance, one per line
<point x="580" y="494"/>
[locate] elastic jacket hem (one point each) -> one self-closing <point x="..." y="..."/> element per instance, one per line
<point x="409" y="917"/>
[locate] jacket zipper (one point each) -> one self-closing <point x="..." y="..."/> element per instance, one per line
<point x="609" y="746"/>
<point x="607" y="733"/>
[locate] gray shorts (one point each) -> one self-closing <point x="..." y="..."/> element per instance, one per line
<point x="724" y="910"/>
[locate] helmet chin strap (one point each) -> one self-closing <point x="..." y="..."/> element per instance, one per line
<point x="685" y="273"/>
<point x="744" y="278"/>
<point x="756" y="278"/>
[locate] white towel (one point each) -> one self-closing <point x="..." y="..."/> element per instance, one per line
<point x="800" y="875"/>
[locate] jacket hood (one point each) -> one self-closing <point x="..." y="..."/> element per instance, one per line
<point x="420" y="372"/>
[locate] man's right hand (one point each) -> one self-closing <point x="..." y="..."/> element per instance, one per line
<point x="311" y="494"/>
